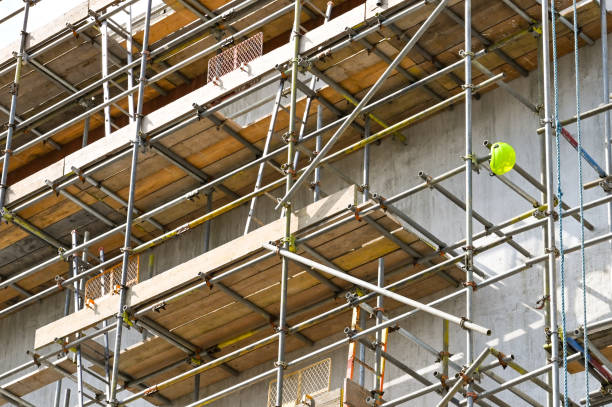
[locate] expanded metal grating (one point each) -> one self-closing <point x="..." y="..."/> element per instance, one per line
<point x="233" y="58"/>
<point x="107" y="281"/>
<point x="311" y="380"/>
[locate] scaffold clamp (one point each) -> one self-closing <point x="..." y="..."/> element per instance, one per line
<point x="159" y="307"/>
<point x="471" y="394"/>
<point x="206" y="278"/>
<point x="465" y="378"/>
<point x="442" y="355"/>
<point x="471" y="284"/>
<point x="199" y="109"/>
<point x="502" y="362"/>
<point x="541" y="303"/>
<point x="443" y="379"/>
<point x="281" y="364"/>
<point x="73" y="30"/>
<point x="350" y="332"/>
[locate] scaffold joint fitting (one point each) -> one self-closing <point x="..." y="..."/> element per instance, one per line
<point x="472" y="395"/>
<point x="159" y="307"/>
<point x="463" y="53"/>
<point x="441" y="356"/>
<point x="471" y="284"/>
<point x="443" y="379"/>
<point x="554" y="250"/>
<point x="289" y="137"/>
<point x="462" y="322"/>
<point x="206" y="278"/>
<point x="541" y="303"/>
<point x="465" y="378"/>
<point x="606" y="184"/>
<point x="281" y="364"/>
<point x="500" y="357"/>
<point x="349" y="332"/>
<point x="72" y="28"/>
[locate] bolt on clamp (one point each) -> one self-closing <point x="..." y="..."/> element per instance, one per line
<point x="541" y="303"/>
<point x="281" y="364"/>
<point x="13" y="88"/>
<point x="470" y="284"/>
<point x="471" y="394"/>
<point x="350" y="332"/>
<point x="206" y="278"/>
<point x="502" y="362"/>
<point x="539" y="214"/>
<point x="442" y="355"/>
<point x="606" y="184"/>
<point x="159" y="307"/>
<point x="554" y="250"/>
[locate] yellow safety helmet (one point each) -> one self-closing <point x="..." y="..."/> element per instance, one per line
<point x="503" y="158"/>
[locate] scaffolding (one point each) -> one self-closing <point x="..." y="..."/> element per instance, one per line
<point x="385" y="253"/>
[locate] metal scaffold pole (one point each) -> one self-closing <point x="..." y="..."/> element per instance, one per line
<point x="130" y="209"/>
<point x="14" y="91"/>
<point x="291" y="138"/>
<point x="543" y="180"/>
<point x="77" y="306"/>
<point x="606" y="99"/>
<point x="550" y="200"/>
<point x="105" y="87"/>
<point x="469" y="224"/>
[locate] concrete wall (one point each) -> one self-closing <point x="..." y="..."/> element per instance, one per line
<point x="434" y="146"/>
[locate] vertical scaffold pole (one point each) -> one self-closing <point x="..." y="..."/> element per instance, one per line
<point x="130" y="208"/>
<point x="14" y="91"/>
<point x="77" y="307"/>
<point x="366" y="164"/>
<point x="291" y="139"/>
<point x="378" y="359"/>
<point x="550" y="200"/>
<point x="445" y="350"/>
<point x="469" y="253"/>
<point x="606" y="99"/>
<point x="361" y="351"/>
<point x="542" y="141"/>
<point x="104" y="324"/>
<point x="105" y="90"/>
<point x="58" y="384"/>
<point x="318" y="144"/>
<point x="130" y="72"/>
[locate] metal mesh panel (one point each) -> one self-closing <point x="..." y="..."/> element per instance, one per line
<point x="311" y="380"/>
<point x="106" y="282"/>
<point x="233" y="58"/>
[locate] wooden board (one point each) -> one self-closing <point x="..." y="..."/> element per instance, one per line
<point x="208" y="318"/>
<point x="577" y="367"/>
<point x="354" y="395"/>
<point x="188" y="271"/>
<point x="38" y="378"/>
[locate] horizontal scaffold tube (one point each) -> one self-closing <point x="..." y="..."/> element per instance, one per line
<point x="382" y="291"/>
